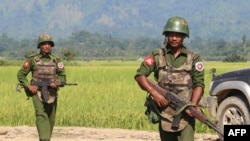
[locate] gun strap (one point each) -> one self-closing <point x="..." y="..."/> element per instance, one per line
<point x="177" y="116"/>
<point x="182" y="109"/>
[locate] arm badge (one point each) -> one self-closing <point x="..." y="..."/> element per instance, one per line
<point x="149" y="60"/>
<point x="60" y="65"/>
<point x="199" y="66"/>
<point x="26" y="64"/>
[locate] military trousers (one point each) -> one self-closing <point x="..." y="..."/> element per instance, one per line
<point x="187" y="134"/>
<point x="45" y="117"/>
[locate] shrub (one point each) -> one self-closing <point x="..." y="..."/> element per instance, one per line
<point x="234" y="58"/>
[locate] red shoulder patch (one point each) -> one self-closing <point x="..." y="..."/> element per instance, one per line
<point x="149" y="60"/>
<point x="26" y="64"/>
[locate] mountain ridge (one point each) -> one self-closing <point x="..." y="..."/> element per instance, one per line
<point x="123" y="18"/>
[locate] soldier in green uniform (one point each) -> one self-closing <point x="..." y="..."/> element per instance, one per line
<point x="175" y="69"/>
<point x="43" y="66"/>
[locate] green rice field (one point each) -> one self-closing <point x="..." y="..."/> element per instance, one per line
<point x="106" y="96"/>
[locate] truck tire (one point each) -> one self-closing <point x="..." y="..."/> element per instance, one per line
<point x="232" y="110"/>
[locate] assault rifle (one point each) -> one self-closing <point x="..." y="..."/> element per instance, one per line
<point x="43" y="85"/>
<point x="177" y="103"/>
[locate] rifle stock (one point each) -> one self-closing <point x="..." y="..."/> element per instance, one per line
<point x="176" y="102"/>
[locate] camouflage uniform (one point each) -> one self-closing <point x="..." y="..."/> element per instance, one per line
<point x="177" y="74"/>
<point x="43" y="66"/>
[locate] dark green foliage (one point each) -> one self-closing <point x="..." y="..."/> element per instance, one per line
<point x="2" y="62"/>
<point x="234" y="58"/>
<point x="83" y="45"/>
<point x="5" y="62"/>
<point x="68" y="54"/>
<point x="28" y="53"/>
<point x="124" y="29"/>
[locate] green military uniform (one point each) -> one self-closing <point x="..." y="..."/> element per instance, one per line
<point x="45" y="112"/>
<point x="151" y="65"/>
<point x="23" y="72"/>
<point x="178" y="70"/>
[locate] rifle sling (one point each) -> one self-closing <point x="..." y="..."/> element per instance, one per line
<point x="177" y="116"/>
<point x="182" y="109"/>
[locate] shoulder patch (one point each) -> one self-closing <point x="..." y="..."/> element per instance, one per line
<point x="199" y="66"/>
<point x="149" y="60"/>
<point x="26" y="64"/>
<point x="60" y="65"/>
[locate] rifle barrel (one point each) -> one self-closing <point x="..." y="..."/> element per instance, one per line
<point x="71" y="84"/>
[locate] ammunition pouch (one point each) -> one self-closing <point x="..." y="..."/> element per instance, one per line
<point x="152" y="111"/>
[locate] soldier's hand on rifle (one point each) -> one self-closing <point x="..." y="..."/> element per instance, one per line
<point x="33" y="89"/>
<point x="159" y="99"/>
<point x="55" y="84"/>
<point x="188" y="112"/>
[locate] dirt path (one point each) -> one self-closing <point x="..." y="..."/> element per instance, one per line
<point x="25" y="133"/>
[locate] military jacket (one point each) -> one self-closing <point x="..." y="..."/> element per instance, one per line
<point x="190" y="67"/>
<point x="29" y="66"/>
<point x="149" y="65"/>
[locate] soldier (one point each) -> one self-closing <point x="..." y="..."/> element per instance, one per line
<point x="175" y="69"/>
<point x="43" y="65"/>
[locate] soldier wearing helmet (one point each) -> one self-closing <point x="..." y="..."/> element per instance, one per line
<point x="175" y="69"/>
<point x="44" y="66"/>
<point x="44" y="38"/>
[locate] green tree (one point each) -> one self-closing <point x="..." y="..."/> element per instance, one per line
<point x="68" y="54"/>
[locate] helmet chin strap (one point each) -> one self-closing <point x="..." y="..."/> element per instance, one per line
<point x="165" y="42"/>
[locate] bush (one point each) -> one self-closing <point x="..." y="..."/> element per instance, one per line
<point x="2" y="62"/>
<point x="234" y="58"/>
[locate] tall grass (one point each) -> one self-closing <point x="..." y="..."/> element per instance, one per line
<point x="106" y="96"/>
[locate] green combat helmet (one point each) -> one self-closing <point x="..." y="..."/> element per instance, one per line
<point x="176" y="24"/>
<point x="44" y="38"/>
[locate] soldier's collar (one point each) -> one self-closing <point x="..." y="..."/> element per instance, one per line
<point x="183" y="50"/>
<point x="45" y="56"/>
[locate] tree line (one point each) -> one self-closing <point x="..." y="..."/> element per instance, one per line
<point x="83" y="45"/>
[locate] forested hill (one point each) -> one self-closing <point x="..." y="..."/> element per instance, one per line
<point x="227" y="19"/>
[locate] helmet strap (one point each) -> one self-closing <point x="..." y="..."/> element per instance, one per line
<point x="165" y="42"/>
